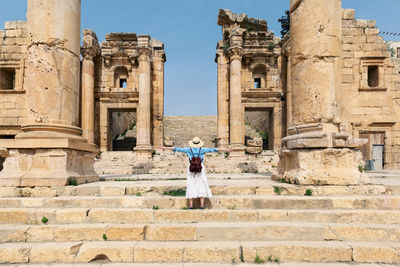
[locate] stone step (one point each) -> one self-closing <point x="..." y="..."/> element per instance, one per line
<point x="131" y="216"/>
<point x="384" y="202"/>
<point x="238" y="231"/>
<point x="121" y="187"/>
<point x="220" y="252"/>
<point x="203" y="264"/>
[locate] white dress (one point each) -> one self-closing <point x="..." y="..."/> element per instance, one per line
<point x="197" y="184"/>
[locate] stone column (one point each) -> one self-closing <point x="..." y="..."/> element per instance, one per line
<point x="143" y="147"/>
<point x="235" y="101"/>
<point x="223" y="96"/>
<point x="158" y="98"/>
<point x="50" y="150"/>
<point x="319" y="152"/>
<point x="89" y="51"/>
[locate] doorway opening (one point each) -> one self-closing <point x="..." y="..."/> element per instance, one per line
<point x="121" y="129"/>
<point x="374" y="151"/>
<point x="259" y="122"/>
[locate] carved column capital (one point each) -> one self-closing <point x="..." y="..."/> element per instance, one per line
<point x="159" y="56"/>
<point x="235" y="53"/>
<point x="89" y="53"/>
<point x="90" y="45"/>
<point x="144" y="53"/>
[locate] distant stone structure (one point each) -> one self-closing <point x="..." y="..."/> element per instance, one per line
<point x="126" y="81"/>
<point x="50" y="126"/>
<point x="327" y="96"/>
<point x="350" y="85"/>
<point x="249" y="80"/>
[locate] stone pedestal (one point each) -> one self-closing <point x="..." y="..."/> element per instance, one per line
<point x="317" y="150"/>
<point x="50" y="150"/>
<point x="144" y="147"/>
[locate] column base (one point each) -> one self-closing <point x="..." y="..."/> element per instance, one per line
<point x="238" y="150"/>
<point x="329" y="166"/>
<point x="43" y="162"/>
<point x="143" y="151"/>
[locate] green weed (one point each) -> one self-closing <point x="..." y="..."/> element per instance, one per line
<point x="175" y="193"/>
<point x="258" y="259"/>
<point x="308" y="192"/>
<point x="44" y="219"/>
<point x="278" y="190"/>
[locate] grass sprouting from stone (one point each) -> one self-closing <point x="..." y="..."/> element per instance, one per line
<point x="155" y="207"/>
<point x="308" y="192"/>
<point x="44" y="219"/>
<point x="278" y="190"/>
<point x="175" y="193"/>
<point x="72" y="181"/>
<point x="104" y="237"/>
<point x="258" y="259"/>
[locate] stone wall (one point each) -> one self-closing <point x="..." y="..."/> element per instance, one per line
<point x="369" y="94"/>
<point x="13" y="52"/>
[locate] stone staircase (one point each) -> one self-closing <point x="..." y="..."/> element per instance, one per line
<point x="248" y="221"/>
<point x="167" y="162"/>
<point x="181" y="129"/>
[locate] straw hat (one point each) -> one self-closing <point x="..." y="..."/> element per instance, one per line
<point x="196" y="142"/>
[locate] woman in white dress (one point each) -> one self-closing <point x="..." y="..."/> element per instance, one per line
<point x="197" y="183"/>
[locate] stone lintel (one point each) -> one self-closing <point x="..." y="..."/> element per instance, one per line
<point x="121" y="36"/>
<point x="226" y="16"/>
<point x="47" y="144"/>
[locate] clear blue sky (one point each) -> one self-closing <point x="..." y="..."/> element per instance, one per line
<point x="190" y="32"/>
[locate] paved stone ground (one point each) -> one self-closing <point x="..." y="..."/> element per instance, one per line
<point x="249" y="215"/>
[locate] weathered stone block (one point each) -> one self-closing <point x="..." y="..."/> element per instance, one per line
<point x="322" y="166"/>
<point x="14" y="253"/>
<point x="298" y="251"/>
<point x="112" y="251"/>
<point x="254" y="150"/>
<point x="371" y="253"/>
<point x="170" y="233"/>
<point x="349" y="14"/>
<point x="54" y="252"/>
<point x="159" y="252"/>
<point x="125" y="233"/>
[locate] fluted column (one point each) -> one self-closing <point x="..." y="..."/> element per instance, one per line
<point x="89" y="51"/>
<point x="143" y="129"/>
<point x="235" y="101"/>
<point x="223" y="96"/>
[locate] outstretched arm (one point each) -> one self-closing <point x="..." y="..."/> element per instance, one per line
<point x="215" y="150"/>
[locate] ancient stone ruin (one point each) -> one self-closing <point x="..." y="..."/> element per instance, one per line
<point x="325" y="92"/>
<point x="325" y="97"/>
